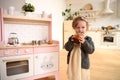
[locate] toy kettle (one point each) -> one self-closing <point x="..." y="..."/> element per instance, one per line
<point x="13" y="39"/>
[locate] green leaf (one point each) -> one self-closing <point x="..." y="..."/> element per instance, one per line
<point x="28" y="7"/>
<point x="63" y="14"/>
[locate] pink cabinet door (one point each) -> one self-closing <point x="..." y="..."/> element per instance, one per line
<point x="1" y="26"/>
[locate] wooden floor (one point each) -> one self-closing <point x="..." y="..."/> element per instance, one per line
<point x="47" y="78"/>
<point x="105" y="65"/>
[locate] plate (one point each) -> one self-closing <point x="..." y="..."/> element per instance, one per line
<point x="88" y="7"/>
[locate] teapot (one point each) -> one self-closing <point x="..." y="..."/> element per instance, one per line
<point x="13" y="39"/>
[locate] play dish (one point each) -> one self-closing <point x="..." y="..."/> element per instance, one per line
<point x="88" y="7"/>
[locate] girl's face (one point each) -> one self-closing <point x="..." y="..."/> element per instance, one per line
<point x="81" y="27"/>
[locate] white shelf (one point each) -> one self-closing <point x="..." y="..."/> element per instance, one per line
<point x="88" y="14"/>
<point x="25" y="19"/>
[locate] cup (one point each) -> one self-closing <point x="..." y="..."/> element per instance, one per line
<point x="11" y="10"/>
<point x="39" y="42"/>
<point x="34" y="42"/>
<point x="44" y="15"/>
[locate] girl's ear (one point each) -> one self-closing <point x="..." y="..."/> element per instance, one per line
<point x="73" y="27"/>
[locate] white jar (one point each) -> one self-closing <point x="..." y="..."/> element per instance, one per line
<point x="44" y="15"/>
<point x="11" y="10"/>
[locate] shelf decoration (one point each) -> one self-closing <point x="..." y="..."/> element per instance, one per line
<point x="86" y="12"/>
<point x="69" y="14"/>
<point x="110" y="28"/>
<point x="28" y="8"/>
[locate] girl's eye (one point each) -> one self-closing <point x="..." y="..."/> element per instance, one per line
<point x="78" y="27"/>
<point x="83" y="27"/>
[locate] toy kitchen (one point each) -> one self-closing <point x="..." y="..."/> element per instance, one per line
<point x="23" y="54"/>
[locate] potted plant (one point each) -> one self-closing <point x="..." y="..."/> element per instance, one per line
<point x="68" y="14"/>
<point x="28" y="7"/>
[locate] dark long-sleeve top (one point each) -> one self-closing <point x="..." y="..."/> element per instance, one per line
<point x="86" y="48"/>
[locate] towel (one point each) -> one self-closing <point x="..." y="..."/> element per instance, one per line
<point x="74" y="66"/>
<point x="75" y="72"/>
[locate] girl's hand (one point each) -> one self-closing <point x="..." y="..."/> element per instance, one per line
<point x="78" y="38"/>
<point x="75" y="39"/>
<point x="81" y="37"/>
<point x="72" y="38"/>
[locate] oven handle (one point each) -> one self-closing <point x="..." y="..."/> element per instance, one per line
<point x="10" y="60"/>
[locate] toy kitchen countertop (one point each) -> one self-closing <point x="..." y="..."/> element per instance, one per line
<point x="55" y="43"/>
<point x="9" y="50"/>
<point x="26" y="46"/>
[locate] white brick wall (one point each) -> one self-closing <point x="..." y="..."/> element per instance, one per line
<point x="26" y="33"/>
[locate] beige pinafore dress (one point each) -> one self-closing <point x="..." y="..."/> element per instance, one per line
<point x="74" y="71"/>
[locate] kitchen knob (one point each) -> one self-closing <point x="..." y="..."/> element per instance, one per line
<point x="27" y="51"/>
<point x="17" y="51"/>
